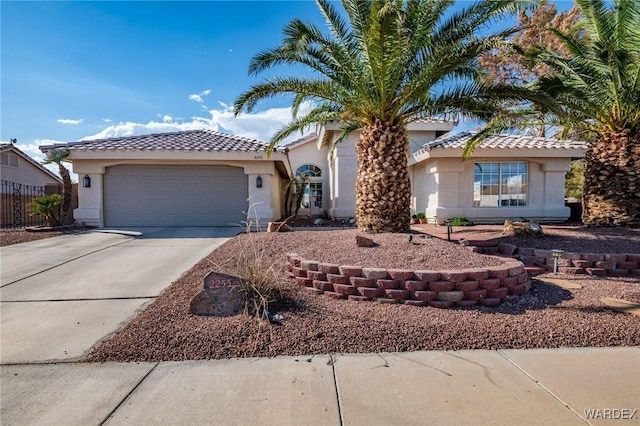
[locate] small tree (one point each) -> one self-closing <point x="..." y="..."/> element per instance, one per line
<point x="57" y="156"/>
<point x="46" y="206"/>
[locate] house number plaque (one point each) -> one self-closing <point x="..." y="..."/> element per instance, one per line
<point x="221" y="296"/>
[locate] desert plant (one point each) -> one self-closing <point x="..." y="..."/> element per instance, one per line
<point x="57" y="156"/>
<point x="259" y="275"/>
<point x="460" y="221"/>
<point x="46" y="206"/>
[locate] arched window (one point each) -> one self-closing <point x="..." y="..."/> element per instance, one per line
<point x="312" y="198"/>
<point x="310" y="170"/>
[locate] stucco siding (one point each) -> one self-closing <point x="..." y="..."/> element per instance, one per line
<point x="448" y="185"/>
<point x="26" y="174"/>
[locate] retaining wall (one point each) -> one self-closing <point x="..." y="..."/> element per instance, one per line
<point x="602" y="265"/>
<point x="441" y="289"/>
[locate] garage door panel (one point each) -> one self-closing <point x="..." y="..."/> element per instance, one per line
<point x="148" y="195"/>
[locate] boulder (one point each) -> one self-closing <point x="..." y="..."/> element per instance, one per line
<point x="221" y="296"/>
<point x="365" y="242"/>
<point x="522" y="227"/>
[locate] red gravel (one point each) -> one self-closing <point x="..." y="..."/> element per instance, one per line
<point x="18" y="236"/>
<point x="574" y="238"/>
<point x="9" y="236"/>
<point x="547" y="316"/>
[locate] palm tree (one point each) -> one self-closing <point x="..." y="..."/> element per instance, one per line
<point x="57" y="157"/>
<point x="389" y="63"/>
<point x="598" y="86"/>
<point x="46" y="206"/>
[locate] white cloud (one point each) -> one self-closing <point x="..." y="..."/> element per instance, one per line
<point x="129" y="128"/>
<point x="106" y="120"/>
<point x="70" y="121"/>
<point x="199" y="96"/>
<point x="260" y="125"/>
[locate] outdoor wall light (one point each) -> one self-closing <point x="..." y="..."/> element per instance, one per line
<point x="86" y="181"/>
<point x="556" y="255"/>
<point x="258" y="182"/>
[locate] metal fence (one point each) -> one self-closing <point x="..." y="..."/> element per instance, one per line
<point x="14" y="202"/>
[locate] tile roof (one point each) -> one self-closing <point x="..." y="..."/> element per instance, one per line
<point x="191" y="140"/>
<point x="459" y="140"/>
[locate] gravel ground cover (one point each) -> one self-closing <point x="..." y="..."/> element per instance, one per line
<point x="547" y="316"/>
<point x="576" y="238"/>
<point x="17" y="236"/>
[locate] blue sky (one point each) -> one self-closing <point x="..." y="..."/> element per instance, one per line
<point x="74" y="70"/>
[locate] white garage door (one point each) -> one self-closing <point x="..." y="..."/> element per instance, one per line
<point x="140" y="195"/>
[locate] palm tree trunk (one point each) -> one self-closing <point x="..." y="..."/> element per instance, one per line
<point x="67" y="188"/>
<point x="612" y="181"/>
<point x="383" y="189"/>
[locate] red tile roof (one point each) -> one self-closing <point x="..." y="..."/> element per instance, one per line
<point x="191" y="140"/>
<point x="459" y="140"/>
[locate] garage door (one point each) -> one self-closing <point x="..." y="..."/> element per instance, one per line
<point x="175" y="195"/>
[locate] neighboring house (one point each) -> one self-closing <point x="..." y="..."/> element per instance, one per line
<point x="21" y="179"/>
<point x="204" y="178"/>
<point x="18" y="167"/>
<point x="191" y="178"/>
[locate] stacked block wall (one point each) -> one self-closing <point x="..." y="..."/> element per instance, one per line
<point x="441" y="289"/>
<point x="602" y="265"/>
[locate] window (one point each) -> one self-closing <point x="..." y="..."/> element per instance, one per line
<point x="313" y="185"/>
<point x="10" y="160"/>
<point x="309" y="170"/>
<point x="500" y="184"/>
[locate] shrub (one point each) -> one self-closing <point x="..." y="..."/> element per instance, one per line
<point x="46" y="206"/>
<point x="259" y="275"/>
<point x="460" y="221"/>
<point x="421" y="216"/>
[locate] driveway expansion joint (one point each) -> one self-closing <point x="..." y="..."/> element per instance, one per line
<point x="543" y="387"/>
<point x="332" y="362"/>
<point x="108" y="416"/>
<point x="79" y="299"/>
<point x="63" y="263"/>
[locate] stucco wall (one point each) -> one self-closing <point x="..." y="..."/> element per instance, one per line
<point x="345" y="168"/>
<point x="265" y="203"/>
<point x="448" y="184"/>
<point x="26" y="173"/>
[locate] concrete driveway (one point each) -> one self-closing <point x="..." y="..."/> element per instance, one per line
<point x="61" y="295"/>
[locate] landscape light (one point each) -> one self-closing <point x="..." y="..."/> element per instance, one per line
<point x="556" y="255"/>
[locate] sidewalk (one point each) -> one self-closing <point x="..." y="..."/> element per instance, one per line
<point x="542" y="386"/>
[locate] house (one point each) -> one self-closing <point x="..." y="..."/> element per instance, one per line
<point x="21" y="179"/>
<point x="19" y="168"/>
<point x="508" y="176"/>
<point x="191" y="178"/>
<point x="206" y="178"/>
